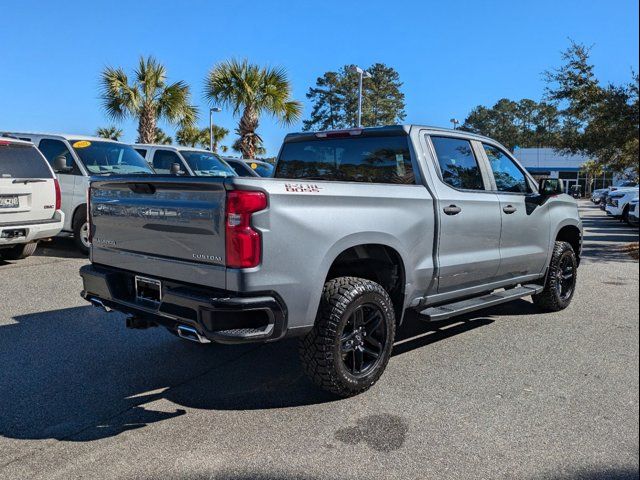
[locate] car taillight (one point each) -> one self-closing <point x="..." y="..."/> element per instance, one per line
<point x="56" y="185"/>
<point x="243" y="243"/>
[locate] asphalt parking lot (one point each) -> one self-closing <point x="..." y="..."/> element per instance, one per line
<point x="505" y="393"/>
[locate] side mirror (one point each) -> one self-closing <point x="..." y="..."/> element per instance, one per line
<point x="60" y="165"/>
<point x="175" y="169"/>
<point x="550" y="186"/>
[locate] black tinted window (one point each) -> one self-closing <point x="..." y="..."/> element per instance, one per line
<point x="22" y="161"/>
<point x="162" y="160"/>
<point x="141" y="151"/>
<point x="458" y="164"/>
<point x="358" y="159"/>
<point x="51" y="149"/>
<point x="509" y="178"/>
<point x="241" y="168"/>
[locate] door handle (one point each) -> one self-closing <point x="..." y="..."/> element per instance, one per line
<point x="509" y="209"/>
<point x="452" y="210"/>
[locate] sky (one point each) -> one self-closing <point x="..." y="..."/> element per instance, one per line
<point x="451" y="56"/>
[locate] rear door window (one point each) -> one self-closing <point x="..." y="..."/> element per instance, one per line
<point x="162" y="160"/>
<point x="384" y="159"/>
<point x="458" y="165"/>
<point x="22" y="161"/>
<point x="142" y="152"/>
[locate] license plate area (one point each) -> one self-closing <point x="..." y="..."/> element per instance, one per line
<point x="9" y="201"/>
<point x="148" y="290"/>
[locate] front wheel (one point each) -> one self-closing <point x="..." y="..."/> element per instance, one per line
<point x="560" y="284"/>
<point x="350" y="344"/>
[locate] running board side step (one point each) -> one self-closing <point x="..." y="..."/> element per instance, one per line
<point x="449" y="310"/>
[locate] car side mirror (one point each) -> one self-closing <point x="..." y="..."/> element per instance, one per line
<point x="550" y="186"/>
<point x="60" y="165"/>
<point x="175" y="169"/>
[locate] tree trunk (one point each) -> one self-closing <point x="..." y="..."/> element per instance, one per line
<point x="147" y="125"/>
<point x="249" y="139"/>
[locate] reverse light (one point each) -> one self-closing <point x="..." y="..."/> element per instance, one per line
<point x="243" y="243"/>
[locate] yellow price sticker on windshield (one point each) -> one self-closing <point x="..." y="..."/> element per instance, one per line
<point x="254" y="165"/>
<point x="81" y="144"/>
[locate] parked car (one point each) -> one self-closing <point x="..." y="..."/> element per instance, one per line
<point x="623" y="184"/>
<point x="241" y="168"/>
<point x="194" y="162"/>
<point x="618" y="203"/>
<point x="356" y="228"/>
<point x="633" y="212"/>
<point x="264" y="169"/>
<point x="83" y="157"/>
<point x="596" y="195"/>
<point x="30" y="199"/>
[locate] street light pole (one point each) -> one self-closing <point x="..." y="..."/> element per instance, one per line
<point x="455" y="122"/>
<point x="211" y="110"/>
<point x="361" y="74"/>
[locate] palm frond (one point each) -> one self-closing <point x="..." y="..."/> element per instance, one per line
<point x="119" y="99"/>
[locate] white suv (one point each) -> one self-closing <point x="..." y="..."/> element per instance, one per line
<point x="193" y="162"/>
<point x="30" y="199"/>
<point x="619" y="202"/>
<point x="75" y="158"/>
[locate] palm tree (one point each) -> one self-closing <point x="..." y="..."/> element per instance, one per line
<point x="199" y="137"/>
<point x="252" y="91"/>
<point x="149" y="98"/>
<point x="161" y="137"/>
<point x="112" y="133"/>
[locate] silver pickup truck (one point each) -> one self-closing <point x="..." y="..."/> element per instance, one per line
<point x="357" y="227"/>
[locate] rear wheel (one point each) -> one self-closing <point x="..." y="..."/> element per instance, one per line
<point x="560" y="283"/>
<point x="351" y="342"/>
<point x="19" y="252"/>
<point x="81" y="230"/>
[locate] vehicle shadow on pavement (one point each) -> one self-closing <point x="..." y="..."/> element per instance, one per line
<point x="59" y="247"/>
<point x="78" y="374"/>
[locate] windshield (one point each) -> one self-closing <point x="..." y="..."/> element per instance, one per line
<point x="22" y="161"/>
<point x="207" y="164"/>
<point x="110" y="158"/>
<point x="384" y="159"/>
<point x="262" y="169"/>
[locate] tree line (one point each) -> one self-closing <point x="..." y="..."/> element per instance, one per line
<point x="578" y="114"/>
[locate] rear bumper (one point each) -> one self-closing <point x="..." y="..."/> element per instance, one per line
<point x="217" y="315"/>
<point x="17" y="233"/>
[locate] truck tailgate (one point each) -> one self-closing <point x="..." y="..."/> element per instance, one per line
<point x="179" y="222"/>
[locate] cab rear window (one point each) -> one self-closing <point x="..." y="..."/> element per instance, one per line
<point x="22" y="161"/>
<point x="384" y="159"/>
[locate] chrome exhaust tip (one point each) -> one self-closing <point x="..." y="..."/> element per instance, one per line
<point x="190" y="333"/>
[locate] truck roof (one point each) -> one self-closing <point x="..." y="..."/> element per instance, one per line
<point x="171" y="147"/>
<point x="384" y="130"/>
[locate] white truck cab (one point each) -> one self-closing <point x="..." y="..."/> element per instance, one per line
<point x="179" y="160"/>
<point x="30" y="203"/>
<point x="85" y="156"/>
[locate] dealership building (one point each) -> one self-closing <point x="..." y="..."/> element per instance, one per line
<point x="548" y="162"/>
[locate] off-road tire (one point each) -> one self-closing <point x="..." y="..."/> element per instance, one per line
<point x="550" y="299"/>
<point x="79" y="220"/>
<point x="19" y="252"/>
<point x="320" y="349"/>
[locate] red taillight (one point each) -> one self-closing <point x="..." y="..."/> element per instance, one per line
<point x="243" y="243"/>
<point x="56" y="184"/>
